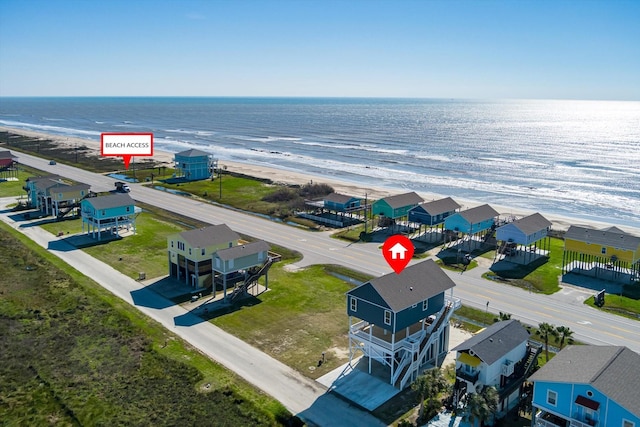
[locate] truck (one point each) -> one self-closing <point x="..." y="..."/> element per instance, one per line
<point x="122" y="187"/>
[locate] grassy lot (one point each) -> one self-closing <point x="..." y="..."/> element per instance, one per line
<point x="302" y="315"/>
<point x="146" y="251"/>
<point x="14" y="188"/>
<point x="541" y="276"/>
<point x="73" y="354"/>
<point x="620" y="305"/>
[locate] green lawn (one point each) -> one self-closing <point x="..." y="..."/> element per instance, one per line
<point x="539" y="276"/>
<point x="14" y="188"/>
<point x="302" y="315"/>
<point x="620" y="305"/>
<point x="74" y="354"/>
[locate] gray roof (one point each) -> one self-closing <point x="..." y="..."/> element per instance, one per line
<point x="192" y="153"/>
<point x="617" y="238"/>
<point x="67" y="188"/>
<point x="495" y="341"/>
<point x="441" y="206"/>
<point x="207" y="236"/>
<point x="6" y="154"/>
<point x="338" y="198"/>
<point x="532" y="224"/>
<point x="401" y="200"/>
<point x="243" y="250"/>
<point x="615" y="371"/>
<point x="478" y="214"/>
<point x="44" y="184"/>
<point x="414" y="284"/>
<point x="110" y="201"/>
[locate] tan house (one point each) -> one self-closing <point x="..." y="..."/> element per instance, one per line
<point x="190" y="253"/>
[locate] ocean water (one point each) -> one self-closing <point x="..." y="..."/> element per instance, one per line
<point x="575" y="158"/>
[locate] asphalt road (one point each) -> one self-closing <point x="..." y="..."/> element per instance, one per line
<point x="563" y="308"/>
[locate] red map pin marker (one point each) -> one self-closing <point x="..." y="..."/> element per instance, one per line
<point x="397" y="250"/>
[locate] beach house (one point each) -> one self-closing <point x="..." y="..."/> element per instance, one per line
<point x="524" y="240"/>
<point x="498" y="356"/>
<point x="400" y="322"/>
<point x="609" y="254"/>
<point x="7" y="165"/>
<point x="341" y="203"/>
<point x="109" y="214"/>
<point x="588" y="386"/>
<point x="193" y="165"/>
<point x="190" y="253"/>
<point x="393" y="208"/>
<point x="36" y="188"/>
<point x="65" y="199"/>
<point x="250" y="259"/>
<point x="432" y="214"/>
<point x="475" y="224"/>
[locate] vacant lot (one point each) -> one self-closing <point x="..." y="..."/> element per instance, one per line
<point x="72" y="354"/>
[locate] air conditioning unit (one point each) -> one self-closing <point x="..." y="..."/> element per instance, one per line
<point x="507" y="368"/>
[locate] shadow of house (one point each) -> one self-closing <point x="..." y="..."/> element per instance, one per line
<point x="432" y="214"/>
<point x="401" y="321"/>
<point x="609" y="254"/>
<point x="524" y="240"/>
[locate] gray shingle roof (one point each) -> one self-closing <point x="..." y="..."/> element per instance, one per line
<point x="532" y="224"/>
<point x="66" y="188"/>
<point x="617" y="239"/>
<point x="496" y="340"/>
<point x="441" y="206"/>
<point x="207" y="236"/>
<point x="401" y="200"/>
<point x="615" y="371"/>
<point x="338" y="198"/>
<point x="478" y="214"/>
<point x="414" y="284"/>
<point x="192" y="153"/>
<point x="6" y="154"/>
<point x="243" y="250"/>
<point x="110" y="201"/>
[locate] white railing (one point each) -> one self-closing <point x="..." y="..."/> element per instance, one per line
<point x="403" y="363"/>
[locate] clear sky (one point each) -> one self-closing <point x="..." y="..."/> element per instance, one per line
<point x="576" y="49"/>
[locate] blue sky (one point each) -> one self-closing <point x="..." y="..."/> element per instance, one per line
<point x="348" y="48"/>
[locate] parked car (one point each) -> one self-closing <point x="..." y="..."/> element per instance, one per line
<point x="52" y="162"/>
<point x="122" y="187"/>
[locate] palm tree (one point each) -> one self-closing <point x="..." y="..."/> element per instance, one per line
<point x="492" y="399"/>
<point x="546" y="331"/>
<point x="482" y="406"/>
<point x="502" y="316"/>
<point x="565" y="334"/>
<point x="428" y="386"/>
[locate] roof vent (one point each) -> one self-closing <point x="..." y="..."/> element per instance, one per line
<point x="410" y="288"/>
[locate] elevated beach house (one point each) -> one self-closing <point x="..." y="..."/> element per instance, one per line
<point x="524" y="240"/>
<point x="7" y="165"/>
<point x="110" y="214"/>
<point x="65" y="199"/>
<point x="250" y="259"/>
<point x="432" y="214"/>
<point x="190" y="253"/>
<point x="395" y="207"/>
<point x="400" y="322"/>
<point x="475" y="223"/>
<point x="498" y="356"/>
<point x="341" y="203"/>
<point x="193" y="165"/>
<point x="609" y="254"/>
<point x="588" y="386"/>
<point x="36" y="188"/>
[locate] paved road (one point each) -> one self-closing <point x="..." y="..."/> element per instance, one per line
<point x="300" y="395"/>
<point x="563" y="308"/>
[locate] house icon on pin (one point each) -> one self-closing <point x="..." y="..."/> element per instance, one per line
<point x="397" y="251"/>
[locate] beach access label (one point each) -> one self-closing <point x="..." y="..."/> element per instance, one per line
<point x="126" y="145"/>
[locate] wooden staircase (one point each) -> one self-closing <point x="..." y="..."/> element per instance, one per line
<point x="251" y="280"/>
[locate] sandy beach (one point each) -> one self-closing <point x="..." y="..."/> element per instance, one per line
<point x="343" y="187"/>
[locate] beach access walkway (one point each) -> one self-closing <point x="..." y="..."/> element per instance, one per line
<point x="302" y="396"/>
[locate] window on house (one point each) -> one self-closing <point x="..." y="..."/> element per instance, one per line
<point x="354" y="304"/>
<point x="172" y="243"/>
<point x="425" y="305"/>
<point x="189" y="251"/>
<point x="627" y="423"/>
<point x="552" y="397"/>
<point x="603" y="250"/>
<point x="387" y="317"/>
<point x="104" y="212"/>
<point x="181" y="246"/>
<point x="128" y="208"/>
<point x="202" y="252"/>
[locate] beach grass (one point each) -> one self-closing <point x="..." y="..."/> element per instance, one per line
<point x="74" y="354"/>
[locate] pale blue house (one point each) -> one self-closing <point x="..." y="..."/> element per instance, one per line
<point x="472" y="221"/>
<point x="111" y="214"/>
<point x="588" y="386"/>
<point x="193" y="165"/>
<point x="524" y="240"/>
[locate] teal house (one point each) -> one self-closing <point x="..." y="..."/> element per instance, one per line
<point x="110" y="214"/>
<point x="472" y="221"/>
<point x="588" y="386"/>
<point x="398" y="206"/>
<point x="194" y="165"/>
<point x="341" y="203"/>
